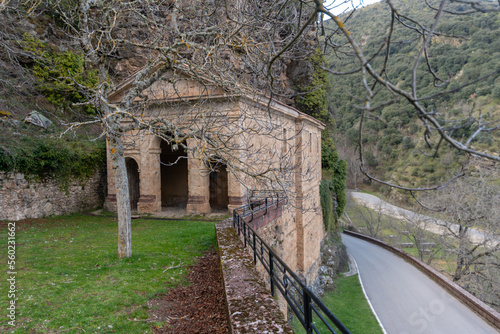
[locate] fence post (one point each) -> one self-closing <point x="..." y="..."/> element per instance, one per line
<point x="254" y="250"/>
<point x="238" y="218"/>
<point x="271" y="271"/>
<point x="245" y="234"/>
<point x="307" y="311"/>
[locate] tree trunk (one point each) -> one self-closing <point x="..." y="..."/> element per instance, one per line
<point x="122" y="196"/>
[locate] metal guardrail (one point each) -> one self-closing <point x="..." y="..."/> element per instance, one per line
<point x="314" y="316"/>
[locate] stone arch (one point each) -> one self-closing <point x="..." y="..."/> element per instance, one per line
<point x="133" y="181"/>
<point x="174" y="175"/>
<point x="218" y="187"/>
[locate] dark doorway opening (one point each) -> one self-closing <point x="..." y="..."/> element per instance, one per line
<point x="133" y="182"/>
<point x="219" y="198"/>
<point x="174" y="176"/>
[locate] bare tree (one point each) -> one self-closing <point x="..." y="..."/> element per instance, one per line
<point x="233" y="50"/>
<point x="372" y="70"/>
<point x="420" y="231"/>
<point x="370" y="221"/>
<point x="472" y="233"/>
<point x="240" y="46"/>
<point x="484" y="280"/>
<point x="470" y="209"/>
<point x="350" y="154"/>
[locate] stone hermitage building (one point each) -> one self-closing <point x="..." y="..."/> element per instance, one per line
<point x="262" y="145"/>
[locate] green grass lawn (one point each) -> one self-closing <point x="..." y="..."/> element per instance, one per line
<point x="70" y="280"/>
<point x="348" y="303"/>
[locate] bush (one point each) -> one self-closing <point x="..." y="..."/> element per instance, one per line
<point x="428" y="168"/>
<point x="352" y="136"/>
<point x="61" y="75"/>
<point x="392" y="137"/>
<point x="407" y="143"/>
<point x="61" y="159"/>
<point x="370" y="159"/>
<point x="414" y="128"/>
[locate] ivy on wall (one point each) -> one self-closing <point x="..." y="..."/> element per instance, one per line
<point x="338" y="170"/>
<point x="313" y="100"/>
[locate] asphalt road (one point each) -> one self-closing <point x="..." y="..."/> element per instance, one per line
<point x="405" y="300"/>
<point x="430" y="224"/>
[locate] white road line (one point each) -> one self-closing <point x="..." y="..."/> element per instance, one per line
<point x="367" y="298"/>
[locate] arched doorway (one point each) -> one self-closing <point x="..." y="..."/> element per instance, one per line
<point x="219" y="198"/>
<point x="174" y="176"/>
<point x="133" y="182"/>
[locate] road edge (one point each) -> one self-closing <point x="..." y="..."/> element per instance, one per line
<point x="368" y="298"/>
<point x="466" y="298"/>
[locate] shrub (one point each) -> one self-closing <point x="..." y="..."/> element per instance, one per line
<point x="370" y="159"/>
<point x="407" y="143"/>
<point x="413" y="128"/>
<point x="352" y="136"/>
<point x="62" y="76"/>
<point x="61" y="159"/>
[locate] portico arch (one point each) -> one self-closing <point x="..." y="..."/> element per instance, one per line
<point x="133" y="181"/>
<point x="174" y="176"/>
<point x="219" y="195"/>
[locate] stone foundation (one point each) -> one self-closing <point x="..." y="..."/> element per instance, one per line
<point x="21" y="198"/>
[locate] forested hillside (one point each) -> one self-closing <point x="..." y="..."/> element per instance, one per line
<point x="466" y="48"/>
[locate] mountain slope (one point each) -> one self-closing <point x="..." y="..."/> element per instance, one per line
<point x="466" y="49"/>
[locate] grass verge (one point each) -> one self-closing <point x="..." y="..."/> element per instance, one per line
<point x="348" y="303"/>
<point x="70" y="280"/>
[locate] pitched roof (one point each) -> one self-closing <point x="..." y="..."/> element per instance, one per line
<point x="178" y="84"/>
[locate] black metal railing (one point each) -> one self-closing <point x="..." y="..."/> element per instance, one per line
<point x="314" y="316"/>
<point x="260" y="194"/>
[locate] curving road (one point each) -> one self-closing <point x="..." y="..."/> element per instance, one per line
<point x="430" y="224"/>
<point x="405" y="300"/>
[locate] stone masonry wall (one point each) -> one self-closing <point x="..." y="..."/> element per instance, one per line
<point x="22" y="198"/>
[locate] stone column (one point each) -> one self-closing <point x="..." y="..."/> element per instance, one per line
<point x="150" y="176"/>
<point x="236" y="192"/>
<point x="198" y="184"/>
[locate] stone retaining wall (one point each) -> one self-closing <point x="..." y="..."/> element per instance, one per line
<point x="486" y="312"/>
<point x="251" y="307"/>
<point x="22" y="198"/>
